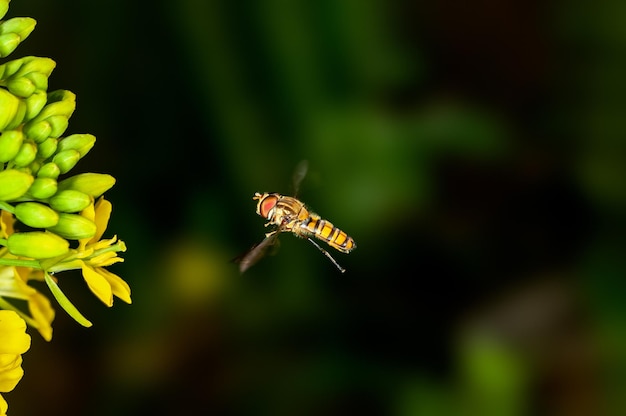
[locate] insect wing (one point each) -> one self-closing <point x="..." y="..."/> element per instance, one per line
<point x="256" y="253"/>
<point x="298" y="175"/>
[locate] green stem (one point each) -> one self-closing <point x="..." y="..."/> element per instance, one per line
<point x="7" y="207"/>
<point x="20" y="263"/>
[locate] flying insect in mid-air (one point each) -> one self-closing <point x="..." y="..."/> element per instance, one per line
<point x="289" y="214"/>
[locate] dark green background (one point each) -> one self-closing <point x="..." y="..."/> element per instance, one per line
<point x="474" y="152"/>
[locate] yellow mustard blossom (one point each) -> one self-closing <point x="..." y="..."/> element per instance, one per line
<point x="13" y="284"/>
<point x="13" y="343"/>
<point x="93" y="255"/>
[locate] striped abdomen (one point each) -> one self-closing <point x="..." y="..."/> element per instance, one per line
<point x="327" y="232"/>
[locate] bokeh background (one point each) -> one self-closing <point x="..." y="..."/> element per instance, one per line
<point x="474" y="151"/>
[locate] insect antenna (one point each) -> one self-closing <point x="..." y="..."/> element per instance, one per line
<point x="324" y="252"/>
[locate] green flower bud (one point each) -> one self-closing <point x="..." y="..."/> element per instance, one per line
<point x="70" y="201"/>
<point x="36" y="215"/>
<point x="93" y="184"/>
<point x="39" y="80"/>
<point x="25" y="76"/>
<point x="21" y="26"/>
<point x="33" y="167"/>
<point x="43" y="187"/>
<point x="8" y="43"/>
<point x="34" y="65"/>
<point x="37" y="245"/>
<point x="26" y="154"/>
<point x="39" y="131"/>
<point x="34" y="104"/>
<point x="49" y="170"/>
<point x="10" y="108"/>
<point x="4" y="7"/>
<point x="82" y="143"/>
<point x="66" y="160"/>
<point x="47" y="148"/>
<point x="59" y="125"/>
<point x="22" y="87"/>
<point x="74" y="227"/>
<point x="53" y="118"/>
<point x="14" y="184"/>
<point x="10" y="144"/>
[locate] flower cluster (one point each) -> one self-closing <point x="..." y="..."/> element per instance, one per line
<point x="50" y="222"/>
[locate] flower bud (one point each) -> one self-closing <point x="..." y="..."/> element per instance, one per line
<point x="4" y="7"/>
<point x="10" y="144"/>
<point x="8" y="43"/>
<point x="21" y="26"/>
<point x="9" y="104"/>
<point x="47" y="148"/>
<point x="33" y="167"/>
<point x="74" y="227"/>
<point x="70" y="201"/>
<point x="22" y="87"/>
<point x="49" y="170"/>
<point x="82" y="143"/>
<point x="38" y="131"/>
<point x="34" y="104"/>
<point x="93" y="184"/>
<point x="66" y="160"/>
<point x="30" y="65"/>
<point x="43" y="187"/>
<point x="53" y="118"/>
<point x="36" y="215"/>
<point x="39" y="80"/>
<point x="14" y="184"/>
<point x="26" y="154"/>
<point x="37" y="245"/>
<point x="59" y="125"/>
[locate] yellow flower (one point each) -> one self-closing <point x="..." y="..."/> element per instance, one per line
<point x="13" y="343"/>
<point x="6" y="223"/>
<point x="95" y="254"/>
<point x="13" y="284"/>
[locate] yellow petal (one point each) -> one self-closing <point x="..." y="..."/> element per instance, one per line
<point x="6" y="223"/>
<point x="3" y="406"/>
<point x="105" y="259"/>
<point x="13" y="333"/>
<point x="11" y="285"/>
<point x="90" y="214"/>
<point x="120" y="287"/>
<point x="10" y="371"/>
<point x="42" y="313"/>
<point x="103" y="213"/>
<point x="98" y="285"/>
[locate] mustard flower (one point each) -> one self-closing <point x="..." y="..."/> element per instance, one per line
<point x="94" y="254"/>
<point x="13" y="343"/>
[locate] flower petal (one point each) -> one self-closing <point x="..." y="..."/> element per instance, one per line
<point x="120" y="287"/>
<point x="3" y="406"/>
<point x="103" y="213"/>
<point x="98" y="285"/>
<point x="42" y="313"/>
<point x="10" y="371"/>
<point x="13" y="334"/>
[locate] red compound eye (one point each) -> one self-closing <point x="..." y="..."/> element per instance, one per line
<point x="266" y="204"/>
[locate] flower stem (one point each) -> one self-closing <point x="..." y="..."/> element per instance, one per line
<point x="20" y="263"/>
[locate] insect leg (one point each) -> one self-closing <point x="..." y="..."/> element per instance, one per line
<point x="324" y="252"/>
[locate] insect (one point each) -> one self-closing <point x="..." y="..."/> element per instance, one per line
<point x="289" y="214"/>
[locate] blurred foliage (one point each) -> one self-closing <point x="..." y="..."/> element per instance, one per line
<point x="475" y="153"/>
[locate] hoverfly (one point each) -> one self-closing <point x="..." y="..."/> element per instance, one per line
<point x="289" y="214"/>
